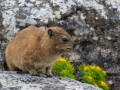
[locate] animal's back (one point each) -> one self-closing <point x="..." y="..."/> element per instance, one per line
<point x="21" y="42"/>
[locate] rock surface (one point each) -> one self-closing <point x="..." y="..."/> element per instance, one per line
<point x="93" y="24"/>
<point x="13" y="81"/>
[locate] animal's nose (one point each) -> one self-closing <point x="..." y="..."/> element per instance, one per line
<point x="74" y="45"/>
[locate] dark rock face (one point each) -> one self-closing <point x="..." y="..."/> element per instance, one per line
<point x="93" y="24"/>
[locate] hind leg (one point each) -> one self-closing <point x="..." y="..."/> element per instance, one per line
<point x="10" y="65"/>
<point x="30" y="68"/>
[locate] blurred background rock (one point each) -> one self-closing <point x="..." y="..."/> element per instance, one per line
<point x="93" y="24"/>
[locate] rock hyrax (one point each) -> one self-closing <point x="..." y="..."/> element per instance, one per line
<point x="33" y="49"/>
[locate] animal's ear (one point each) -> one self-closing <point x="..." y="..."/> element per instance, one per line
<point x="50" y="32"/>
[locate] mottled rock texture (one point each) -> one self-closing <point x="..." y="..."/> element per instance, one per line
<point x="13" y="81"/>
<point x="93" y="24"/>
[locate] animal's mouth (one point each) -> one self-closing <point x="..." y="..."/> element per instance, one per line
<point x="68" y="48"/>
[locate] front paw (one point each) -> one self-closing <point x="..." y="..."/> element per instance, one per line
<point x="49" y="74"/>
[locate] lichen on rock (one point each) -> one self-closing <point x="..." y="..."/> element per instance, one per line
<point x="93" y="24"/>
<point x="14" y="81"/>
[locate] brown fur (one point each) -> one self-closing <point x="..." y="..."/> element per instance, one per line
<point x="33" y="49"/>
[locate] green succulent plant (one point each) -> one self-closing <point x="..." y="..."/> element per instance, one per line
<point x="63" y="68"/>
<point x="94" y="75"/>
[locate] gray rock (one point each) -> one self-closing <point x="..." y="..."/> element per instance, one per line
<point x="22" y="13"/>
<point x="93" y="24"/>
<point x="13" y="81"/>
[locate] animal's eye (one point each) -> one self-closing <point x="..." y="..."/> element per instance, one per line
<point x="64" y="39"/>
